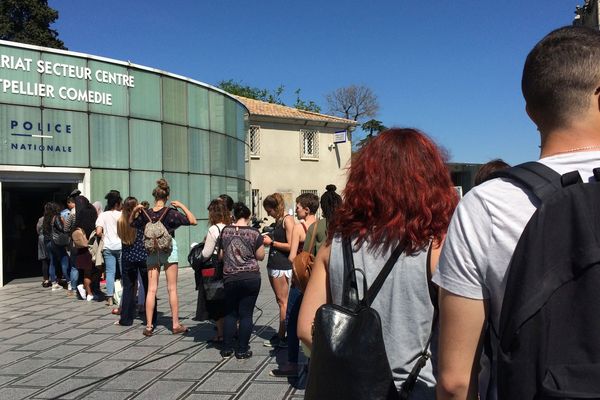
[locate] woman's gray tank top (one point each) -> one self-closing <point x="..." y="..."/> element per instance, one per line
<point x="403" y="303"/>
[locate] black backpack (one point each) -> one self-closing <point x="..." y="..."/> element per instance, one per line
<point x="549" y="333"/>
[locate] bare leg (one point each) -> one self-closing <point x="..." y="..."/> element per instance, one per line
<point x="281" y="288"/>
<point x="171" y="273"/>
<point x="153" y="274"/>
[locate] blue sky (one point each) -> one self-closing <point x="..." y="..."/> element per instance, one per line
<point x="449" y="68"/>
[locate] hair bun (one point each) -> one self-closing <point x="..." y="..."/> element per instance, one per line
<point x="163" y="184"/>
<point x="330" y="188"/>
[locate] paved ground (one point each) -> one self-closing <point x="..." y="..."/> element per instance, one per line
<point x="55" y="347"/>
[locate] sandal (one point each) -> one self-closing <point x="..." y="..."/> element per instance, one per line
<point x="148" y="332"/>
<point x="116" y="311"/>
<point x="180" y="329"/>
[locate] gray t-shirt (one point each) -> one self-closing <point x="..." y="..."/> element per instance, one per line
<point x="403" y="303"/>
<point x="483" y="234"/>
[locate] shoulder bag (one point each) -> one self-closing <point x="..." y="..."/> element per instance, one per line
<point x="303" y="262"/>
<point x="212" y="277"/>
<point x="59" y="237"/>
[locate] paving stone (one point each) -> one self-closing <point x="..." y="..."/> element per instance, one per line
<point x="53" y="328"/>
<point x="249" y="364"/>
<point x="12" y="332"/>
<point x="91" y="339"/>
<point x="160" y="362"/>
<point x="60" y="351"/>
<point x="39" y="345"/>
<point x="26" y="366"/>
<point x="6" y="347"/>
<point x="157" y="340"/>
<point x="105" y="369"/>
<point x="224" y="382"/>
<point x="4" y="379"/>
<point x="208" y="396"/>
<point x="45" y="377"/>
<point x="190" y="371"/>
<point x="164" y="390"/>
<point x="180" y="348"/>
<point x="265" y="391"/>
<point x="107" y="395"/>
<point x="134" y="353"/>
<point x="12" y="356"/>
<point x="12" y="393"/>
<point x="73" y="388"/>
<point x="132" y="380"/>
<point x="81" y="360"/>
<point x="111" y="346"/>
<point x="29" y="338"/>
<point x="72" y="333"/>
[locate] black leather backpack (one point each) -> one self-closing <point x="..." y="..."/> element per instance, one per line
<point x="348" y="358"/>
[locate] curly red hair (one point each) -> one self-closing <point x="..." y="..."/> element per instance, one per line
<point x="398" y="191"/>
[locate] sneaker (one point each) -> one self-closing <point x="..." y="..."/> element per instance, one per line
<point x="46" y="284"/>
<point x="56" y="286"/>
<point x="227" y="354"/>
<point x="273" y="342"/>
<point x="244" y="355"/>
<point x="89" y="297"/>
<point x="63" y="283"/>
<point x="81" y="291"/>
<point x="69" y="288"/>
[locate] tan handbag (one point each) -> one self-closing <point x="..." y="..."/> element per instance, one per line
<point x="303" y="263"/>
<point x="79" y="239"/>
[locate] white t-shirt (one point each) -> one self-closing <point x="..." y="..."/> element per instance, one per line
<point x="211" y="239"/>
<point x="108" y="221"/>
<point x="484" y="232"/>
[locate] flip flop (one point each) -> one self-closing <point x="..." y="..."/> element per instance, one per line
<point x="148" y="332"/>
<point x="180" y="329"/>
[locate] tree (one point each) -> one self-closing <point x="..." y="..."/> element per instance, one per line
<point x="372" y="127"/>
<point x="353" y="102"/>
<point x="306" y="106"/>
<point x="269" y="96"/>
<point x="28" y="21"/>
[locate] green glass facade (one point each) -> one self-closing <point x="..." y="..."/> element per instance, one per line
<point x="129" y="125"/>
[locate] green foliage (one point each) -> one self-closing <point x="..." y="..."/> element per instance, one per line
<point x="28" y="21"/>
<point x="372" y="128"/>
<point x="306" y="106"/>
<point x="266" y="95"/>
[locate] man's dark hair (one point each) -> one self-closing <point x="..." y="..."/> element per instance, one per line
<point x="485" y="171"/>
<point x="113" y="198"/>
<point x="240" y="210"/>
<point x="310" y="201"/>
<point x="560" y="74"/>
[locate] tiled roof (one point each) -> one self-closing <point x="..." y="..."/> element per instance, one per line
<point x="257" y="107"/>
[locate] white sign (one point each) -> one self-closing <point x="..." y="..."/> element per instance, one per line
<point x="74" y="72"/>
<point x="340" y="137"/>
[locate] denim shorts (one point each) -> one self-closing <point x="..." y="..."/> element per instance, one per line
<point x="162" y="258"/>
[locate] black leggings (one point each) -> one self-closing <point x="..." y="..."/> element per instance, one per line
<point x="129" y="277"/>
<point x="240" y="298"/>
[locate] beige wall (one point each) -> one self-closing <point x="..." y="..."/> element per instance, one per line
<point x="280" y="169"/>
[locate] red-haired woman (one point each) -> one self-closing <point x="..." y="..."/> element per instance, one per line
<point x="399" y="192"/>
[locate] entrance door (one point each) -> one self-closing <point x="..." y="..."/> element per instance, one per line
<point x="22" y="206"/>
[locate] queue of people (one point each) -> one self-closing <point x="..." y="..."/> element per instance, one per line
<point x="401" y="253"/>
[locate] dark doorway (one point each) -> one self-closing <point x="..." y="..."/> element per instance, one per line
<point x="22" y="206"/>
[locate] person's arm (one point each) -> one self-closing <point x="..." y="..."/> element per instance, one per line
<point x="462" y="322"/>
<point x="99" y="225"/>
<point x="209" y="244"/>
<point x="295" y="241"/>
<point x="134" y="214"/>
<point x="315" y="295"/>
<point x="260" y="253"/>
<point x="188" y="214"/>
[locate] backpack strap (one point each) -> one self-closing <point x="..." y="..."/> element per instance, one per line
<point x="385" y="271"/>
<point x="350" y="289"/>
<point x="146" y="214"/>
<point x="163" y="214"/>
<point x="543" y="181"/>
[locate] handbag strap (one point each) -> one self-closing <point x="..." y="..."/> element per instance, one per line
<point x="312" y="239"/>
<point x="349" y="288"/>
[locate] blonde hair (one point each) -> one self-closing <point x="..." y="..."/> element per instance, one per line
<point x="125" y="231"/>
<point x="162" y="190"/>
<point x="275" y="202"/>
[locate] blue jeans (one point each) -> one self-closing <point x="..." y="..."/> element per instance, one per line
<point x="58" y="256"/>
<point x="111" y="257"/>
<point x="240" y="298"/>
<point x="293" y="309"/>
